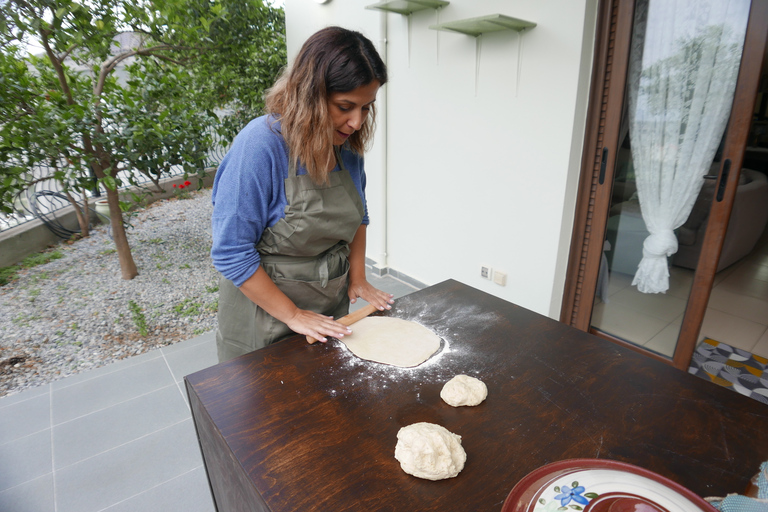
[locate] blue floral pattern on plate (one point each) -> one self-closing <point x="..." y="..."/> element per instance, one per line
<point x="565" y="497"/>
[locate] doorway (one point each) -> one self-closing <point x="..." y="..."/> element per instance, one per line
<point x="714" y="256"/>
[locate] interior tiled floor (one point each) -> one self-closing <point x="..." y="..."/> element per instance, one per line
<point x="737" y="312"/>
<point x="118" y="438"/>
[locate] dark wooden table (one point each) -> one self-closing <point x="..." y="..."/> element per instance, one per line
<point x="298" y="427"/>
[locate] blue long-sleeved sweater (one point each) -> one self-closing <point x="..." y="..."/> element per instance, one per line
<point x="249" y="195"/>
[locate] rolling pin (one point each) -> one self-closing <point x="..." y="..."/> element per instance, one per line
<point x="351" y="318"/>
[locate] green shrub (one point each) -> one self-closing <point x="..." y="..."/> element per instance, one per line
<point x="138" y="318"/>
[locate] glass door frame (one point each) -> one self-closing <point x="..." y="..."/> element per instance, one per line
<point x="609" y="74"/>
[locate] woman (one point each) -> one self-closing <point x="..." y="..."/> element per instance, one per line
<point x="289" y="218"/>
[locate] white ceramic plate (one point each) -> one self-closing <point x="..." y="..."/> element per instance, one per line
<point x="598" y="485"/>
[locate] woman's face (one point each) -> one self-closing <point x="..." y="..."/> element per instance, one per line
<point x="349" y="110"/>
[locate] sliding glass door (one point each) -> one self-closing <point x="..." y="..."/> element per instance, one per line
<point x="671" y="107"/>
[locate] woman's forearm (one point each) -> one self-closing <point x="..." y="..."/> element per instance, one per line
<point x="359" y="287"/>
<point x="357" y="255"/>
<point x="263" y="292"/>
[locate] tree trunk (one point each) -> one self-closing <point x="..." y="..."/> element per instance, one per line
<point x="85" y="221"/>
<point x="83" y="215"/>
<point x="102" y="161"/>
<point x="127" y="266"/>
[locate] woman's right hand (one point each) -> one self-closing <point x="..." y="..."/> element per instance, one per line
<point x="265" y="294"/>
<point x="316" y="325"/>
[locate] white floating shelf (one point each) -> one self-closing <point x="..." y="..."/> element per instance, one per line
<point x="406" y="7"/>
<point x="478" y="26"/>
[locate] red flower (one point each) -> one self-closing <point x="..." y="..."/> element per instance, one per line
<point x="187" y="183"/>
<point x="174" y="185"/>
<point x="181" y="186"/>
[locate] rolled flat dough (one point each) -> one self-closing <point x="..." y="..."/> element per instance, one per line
<point x="392" y="341"/>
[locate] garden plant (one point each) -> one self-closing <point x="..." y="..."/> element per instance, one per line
<point x="124" y="89"/>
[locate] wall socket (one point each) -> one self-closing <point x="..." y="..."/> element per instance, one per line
<point x="500" y="278"/>
<point x="486" y="272"/>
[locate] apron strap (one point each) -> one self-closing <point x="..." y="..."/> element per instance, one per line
<point x="292" y="162"/>
<point x="337" y="151"/>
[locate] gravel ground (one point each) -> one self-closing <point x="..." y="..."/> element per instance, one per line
<point x="76" y="313"/>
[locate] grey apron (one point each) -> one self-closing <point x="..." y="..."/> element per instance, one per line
<point x="304" y="253"/>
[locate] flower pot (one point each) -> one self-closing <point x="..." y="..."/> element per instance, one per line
<point x="102" y="208"/>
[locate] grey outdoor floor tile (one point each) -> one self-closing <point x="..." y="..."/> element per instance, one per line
<point x="23" y="395"/>
<point x="123" y="472"/>
<point x="25" y="459"/>
<point x="187" y="493"/>
<point x="33" y="496"/>
<point x="400" y="289"/>
<point x="391" y="285"/>
<point x="119" y="424"/>
<point x="105" y="370"/>
<point x="387" y="284"/>
<point x="24" y="418"/>
<point x="109" y="389"/>
<point x="182" y="387"/>
<point x="198" y="340"/>
<point x="123" y="438"/>
<point x="191" y="359"/>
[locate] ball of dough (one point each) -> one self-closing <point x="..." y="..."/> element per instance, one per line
<point x="429" y="451"/>
<point x="464" y="390"/>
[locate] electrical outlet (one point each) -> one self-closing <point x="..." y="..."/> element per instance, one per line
<point x="486" y="272"/>
<point x="500" y="278"/>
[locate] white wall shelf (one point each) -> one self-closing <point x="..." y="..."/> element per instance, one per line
<point x="478" y="26"/>
<point x="406" y="7"/>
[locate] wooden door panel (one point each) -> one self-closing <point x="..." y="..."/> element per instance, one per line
<point x="733" y="151"/>
<point x="603" y="122"/>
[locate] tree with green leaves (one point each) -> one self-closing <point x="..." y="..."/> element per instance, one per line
<point x="125" y="87"/>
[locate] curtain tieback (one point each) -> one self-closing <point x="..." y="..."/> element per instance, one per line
<point x="660" y="244"/>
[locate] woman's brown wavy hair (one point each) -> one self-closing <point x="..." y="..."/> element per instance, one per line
<point x="334" y="59"/>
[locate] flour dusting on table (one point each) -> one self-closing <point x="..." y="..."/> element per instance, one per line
<point x="450" y="322"/>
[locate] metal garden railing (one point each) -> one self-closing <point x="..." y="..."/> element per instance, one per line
<point x="45" y="198"/>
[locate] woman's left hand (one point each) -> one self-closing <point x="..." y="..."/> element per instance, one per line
<point x="364" y="290"/>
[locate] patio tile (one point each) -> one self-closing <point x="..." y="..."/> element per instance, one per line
<point x="26" y="417"/>
<point x="105" y="370"/>
<point x="33" y="496"/>
<point x="92" y="434"/>
<point x="24" y="395"/>
<point x="25" y="459"/>
<point x="391" y="284"/>
<point x="189" y="492"/>
<point x="128" y="470"/>
<point x="191" y="358"/>
<point x="109" y="389"/>
<point x="122" y="436"/>
<point x="183" y="345"/>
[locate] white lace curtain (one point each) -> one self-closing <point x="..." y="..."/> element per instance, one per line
<point x="684" y="62"/>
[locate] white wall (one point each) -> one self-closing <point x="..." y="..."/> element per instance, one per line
<point x="481" y="162"/>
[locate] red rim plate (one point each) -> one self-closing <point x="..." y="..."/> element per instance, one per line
<point x="524" y="495"/>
